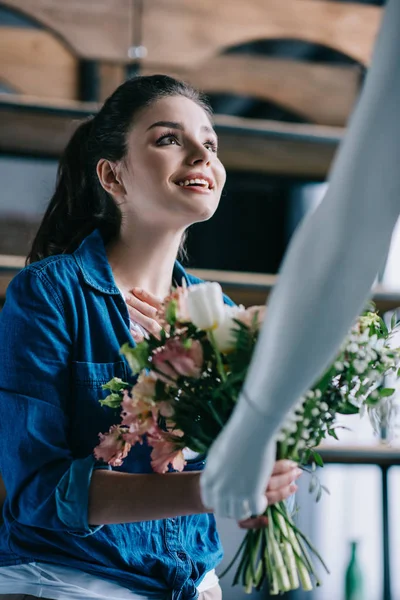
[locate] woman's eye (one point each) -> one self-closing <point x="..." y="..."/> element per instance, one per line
<point x="212" y="146"/>
<point x="167" y="140"/>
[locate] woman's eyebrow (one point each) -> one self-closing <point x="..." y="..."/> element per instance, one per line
<point x="175" y="125"/>
<point x="169" y="124"/>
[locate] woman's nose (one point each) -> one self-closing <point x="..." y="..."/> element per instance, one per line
<point x="198" y="154"/>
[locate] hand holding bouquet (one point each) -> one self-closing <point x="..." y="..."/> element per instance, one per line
<point x="189" y="379"/>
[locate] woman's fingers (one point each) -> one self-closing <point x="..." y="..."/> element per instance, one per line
<point x="147" y="297"/>
<point x="149" y="324"/>
<point x="283" y="466"/>
<point x="143" y="307"/>
<point x="144" y="314"/>
<point x="282" y="480"/>
<point x="282" y="493"/>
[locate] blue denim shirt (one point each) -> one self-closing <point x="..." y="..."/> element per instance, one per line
<point x="61" y="328"/>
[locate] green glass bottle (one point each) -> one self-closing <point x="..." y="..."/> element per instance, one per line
<point x="354" y="585"/>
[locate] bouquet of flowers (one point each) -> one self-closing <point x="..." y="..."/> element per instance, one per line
<point x="188" y="382"/>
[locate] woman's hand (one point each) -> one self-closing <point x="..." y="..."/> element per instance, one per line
<point x="281" y="485"/>
<point x="143" y="307"/>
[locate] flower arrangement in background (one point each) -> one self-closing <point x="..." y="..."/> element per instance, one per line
<point x="189" y="379"/>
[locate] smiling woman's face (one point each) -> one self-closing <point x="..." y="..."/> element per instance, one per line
<point x="171" y="173"/>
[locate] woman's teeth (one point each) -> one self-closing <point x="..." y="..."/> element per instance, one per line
<point x="201" y="182"/>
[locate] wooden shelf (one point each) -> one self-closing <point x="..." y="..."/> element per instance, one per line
<point x="243" y="288"/>
<point x="32" y="126"/>
<point x="370" y="454"/>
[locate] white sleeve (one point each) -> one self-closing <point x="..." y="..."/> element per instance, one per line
<point x="334" y="257"/>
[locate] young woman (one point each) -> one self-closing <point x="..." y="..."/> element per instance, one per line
<point x="130" y="182"/>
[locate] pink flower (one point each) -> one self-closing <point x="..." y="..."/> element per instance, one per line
<point x="177" y="301"/>
<point x="167" y="450"/>
<point x="145" y="387"/>
<point x="112" y="448"/>
<point x="140" y="415"/>
<point x="175" y="359"/>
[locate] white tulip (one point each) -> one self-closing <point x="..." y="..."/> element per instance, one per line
<point x="206" y="305"/>
<point x="224" y="333"/>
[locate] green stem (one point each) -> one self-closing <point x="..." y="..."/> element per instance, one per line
<point x="303" y="563"/>
<point x="287" y="550"/>
<point x="220" y="364"/>
<point x="304" y="575"/>
<point x="301" y="535"/>
<point x="279" y="564"/>
<point x="234" y="559"/>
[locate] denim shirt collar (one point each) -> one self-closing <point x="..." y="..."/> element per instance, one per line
<point x="92" y="260"/>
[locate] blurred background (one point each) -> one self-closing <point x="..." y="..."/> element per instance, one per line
<point x="283" y="77"/>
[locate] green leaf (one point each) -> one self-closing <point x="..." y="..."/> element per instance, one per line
<point x="333" y="434"/>
<point x="385" y="392"/>
<point x="313" y="485"/>
<point x="187" y="344"/>
<point x="137" y="357"/>
<point x="318" y="459"/>
<point x="112" y="401"/>
<point x="383" y="327"/>
<point x="171" y="312"/>
<point x="348" y="409"/>
<point x="393" y="320"/>
<point x="115" y="385"/>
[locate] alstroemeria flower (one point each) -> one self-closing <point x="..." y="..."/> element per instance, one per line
<point x="140" y="415"/>
<point x="167" y="450"/>
<point x="145" y="387"/>
<point x="174" y="308"/>
<point x="112" y="448"/>
<point x="206" y="305"/>
<point x="175" y="359"/>
<point x="251" y="315"/>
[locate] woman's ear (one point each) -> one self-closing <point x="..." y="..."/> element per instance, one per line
<point x="109" y="177"/>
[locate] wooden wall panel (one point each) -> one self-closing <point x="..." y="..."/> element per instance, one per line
<point x="319" y="93"/>
<point x="35" y="62"/>
<point x="184" y="33"/>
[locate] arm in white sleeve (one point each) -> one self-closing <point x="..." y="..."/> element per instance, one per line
<point x="326" y="277"/>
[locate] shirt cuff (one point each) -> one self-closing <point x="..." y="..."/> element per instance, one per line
<point x="72" y="496"/>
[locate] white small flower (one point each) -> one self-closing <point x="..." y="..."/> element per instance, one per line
<point x="364" y="337"/>
<point x="323" y="406"/>
<point x="318" y="393"/>
<point x="339" y="366"/>
<point x="305" y="435"/>
<point x="353" y="348"/>
<point x="291" y="441"/>
<point x="315" y="412"/>
<point x="306" y="422"/>
<point x="281" y="436"/>
<point x="360" y="365"/>
<point x="310" y="394"/>
<point x="301" y="444"/>
<point x="374" y="375"/>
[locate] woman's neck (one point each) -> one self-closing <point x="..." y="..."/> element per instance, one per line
<point x="145" y="259"/>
